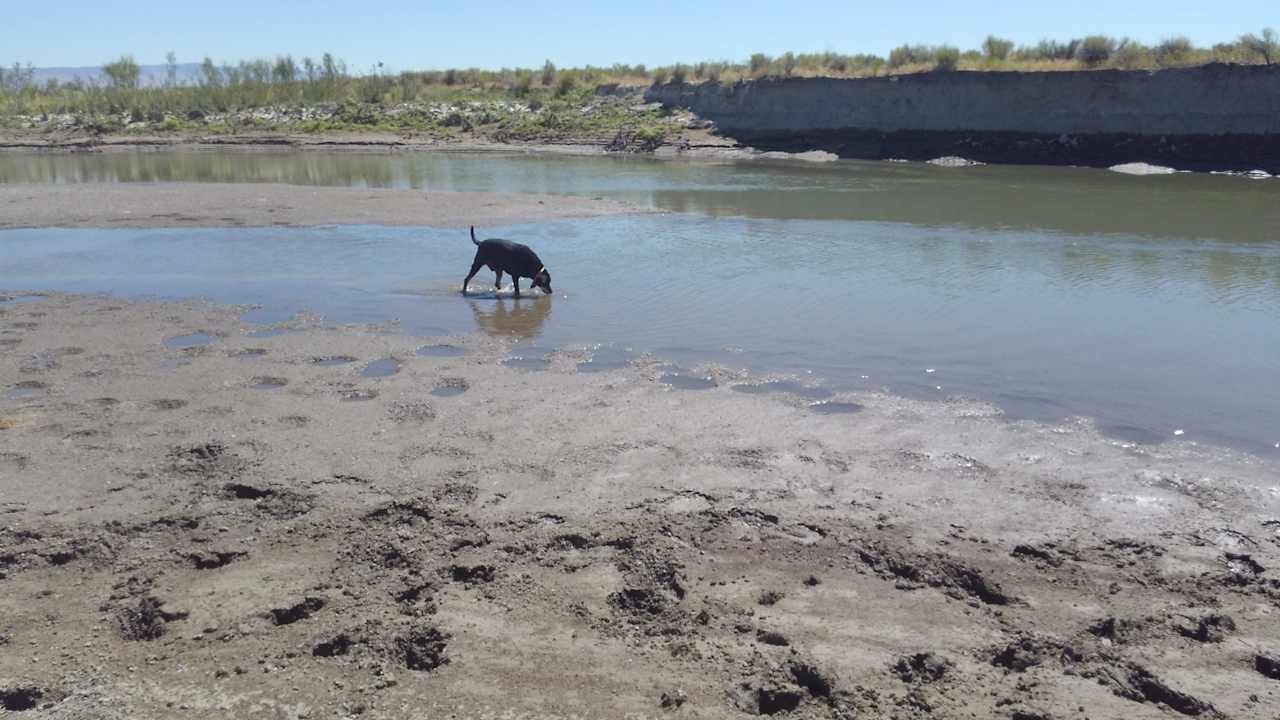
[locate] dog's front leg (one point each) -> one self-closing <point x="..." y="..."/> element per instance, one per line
<point x="515" y="282"/>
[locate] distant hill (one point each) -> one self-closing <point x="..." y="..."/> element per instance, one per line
<point x="150" y="75"/>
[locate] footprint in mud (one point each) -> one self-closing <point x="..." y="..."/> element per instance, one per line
<point x="525" y="362"/>
<point x="167" y="404"/>
<point x="268" y="382"/>
<point x="21" y="699"/>
<point x="423" y="648"/>
<point x="295" y="420"/>
<point x="789" y="387"/>
<point x="403" y="412"/>
<point x="383" y="367"/>
<point x="190" y="340"/>
<point x="26" y="390"/>
<point x="827" y="407"/>
<point x="9" y="343"/>
<point x="250" y="353"/>
<point x="687" y="382"/>
<point x="294" y="613"/>
<point x="332" y="360"/>
<point x="441" y="351"/>
<point x="451" y="386"/>
<point x="24" y="325"/>
<point x="358" y="395"/>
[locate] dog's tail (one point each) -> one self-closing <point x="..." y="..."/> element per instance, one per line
<point x="473" y="235"/>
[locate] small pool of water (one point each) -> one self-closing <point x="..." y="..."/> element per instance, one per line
<point x="384" y="367"/>
<point x="180" y="342"/>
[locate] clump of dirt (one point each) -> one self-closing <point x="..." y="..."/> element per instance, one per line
<point x="211" y="459"/>
<point x="20" y="699"/>
<point x="213" y="559"/>
<point x="146" y="621"/>
<point x="406" y="412"/>
<point x="1118" y="630"/>
<point x="1131" y="681"/>
<point x="417" y="599"/>
<point x="294" y="613"/>
<point x="1046" y="553"/>
<point x="403" y="512"/>
<point x="1025" y="653"/>
<point x="1268" y="664"/>
<point x="1210" y="628"/>
<point x="240" y="491"/>
<point x="782" y="690"/>
<point x="339" y="645"/>
<point x="769" y="598"/>
<point x="922" y="668"/>
<point x="770" y="637"/>
<point x="471" y="574"/>
<point x="423" y="648"/>
<point x="952" y="577"/>
<point x="672" y="700"/>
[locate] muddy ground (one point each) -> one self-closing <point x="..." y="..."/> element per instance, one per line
<point x="236" y="529"/>
<point x="178" y="204"/>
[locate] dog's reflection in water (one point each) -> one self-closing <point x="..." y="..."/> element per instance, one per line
<point x="522" y="318"/>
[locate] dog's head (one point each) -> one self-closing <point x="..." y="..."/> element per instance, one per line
<point x="542" y="281"/>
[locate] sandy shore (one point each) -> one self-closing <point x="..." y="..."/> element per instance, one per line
<point x="244" y="204"/>
<point x="233" y="530"/>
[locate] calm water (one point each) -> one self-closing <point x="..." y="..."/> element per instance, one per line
<point x="1150" y="303"/>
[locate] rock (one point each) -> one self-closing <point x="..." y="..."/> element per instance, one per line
<point x="1268" y="664"/>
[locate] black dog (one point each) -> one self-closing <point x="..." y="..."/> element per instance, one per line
<point x="512" y="258"/>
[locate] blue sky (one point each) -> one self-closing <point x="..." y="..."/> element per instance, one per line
<point x="422" y="35"/>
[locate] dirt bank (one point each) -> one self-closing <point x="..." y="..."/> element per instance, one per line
<point x="1214" y="117"/>
<point x="240" y="204"/>
<point x="235" y="529"/>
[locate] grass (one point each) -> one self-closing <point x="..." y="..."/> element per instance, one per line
<point x="321" y="96"/>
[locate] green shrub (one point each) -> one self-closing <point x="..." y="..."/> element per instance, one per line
<point x="660" y="76"/>
<point x="1266" y="46"/>
<point x="1173" y="51"/>
<point x="995" y="48"/>
<point x="548" y="73"/>
<point x="123" y="72"/>
<point x="1095" y="50"/>
<point x="946" y="58"/>
<point x="565" y="85"/>
<point x="679" y="74"/>
<point x="759" y="64"/>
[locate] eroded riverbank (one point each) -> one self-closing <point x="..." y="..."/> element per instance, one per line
<point x="201" y="516"/>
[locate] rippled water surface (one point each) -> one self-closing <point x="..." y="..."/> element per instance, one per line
<point x="1149" y="303"/>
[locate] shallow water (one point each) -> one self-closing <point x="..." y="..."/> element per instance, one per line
<point x="1149" y="303"/>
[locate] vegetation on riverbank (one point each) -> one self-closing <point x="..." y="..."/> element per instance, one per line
<point x="546" y="103"/>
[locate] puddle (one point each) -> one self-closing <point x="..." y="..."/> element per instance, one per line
<point x="179" y="342"/>
<point x="359" y="395"/>
<point x="251" y="353"/>
<point x="521" y="362"/>
<point x="604" y="360"/>
<point x="268" y="383"/>
<point x="381" y="368"/>
<point x="835" y="408"/>
<point x="271" y="332"/>
<point x="1132" y="434"/>
<point x="449" y="387"/>
<point x="687" y="382"/>
<point x="790" y="387"/>
<point x="266" y="316"/>
<point x="20" y="298"/>
<point x="441" y="351"/>
<point x="333" y="360"/>
<point x="26" y="390"/>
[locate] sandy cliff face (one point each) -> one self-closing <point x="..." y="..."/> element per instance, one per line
<point x="1211" y="117"/>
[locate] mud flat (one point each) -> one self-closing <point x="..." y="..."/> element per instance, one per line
<point x="247" y="204"/>
<point x="176" y="539"/>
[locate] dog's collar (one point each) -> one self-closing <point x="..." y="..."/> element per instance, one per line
<point x="544" y="267"/>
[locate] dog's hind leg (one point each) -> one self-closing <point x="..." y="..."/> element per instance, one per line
<point x="515" y="283"/>
<point x="475" y="268"/>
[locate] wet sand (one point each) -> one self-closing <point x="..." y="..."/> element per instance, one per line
<point x="234" y="529"/>
<point x="244" y="204"/>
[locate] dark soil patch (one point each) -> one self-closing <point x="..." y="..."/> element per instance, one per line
<point x="913" y="571"/>
<point x="770" y="637"/>
<point x="20" y="699"/>
<point x="241" y="491"/>
<point x="404" y="412"/>
<point x="471" y="574"/>
<point x="1268" y="664"/>
<point x="1210" y="628"/>
<point x="639" y="601"/>
<point x="294" y="613"/>
<point x="809" y="678"/>
<point x="922" y="668"/>
<point x="1025" y="653"/>
<point x="147" y="621"/>
<point x="213" y="559"/>
<point x="769" y="598"/>
<point x="1134" y="682"/>
<point x="339" y="645"/>
<point x="766" y="700"/>
<point x="168" y="404"/>
<point x="423" y="648"/>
